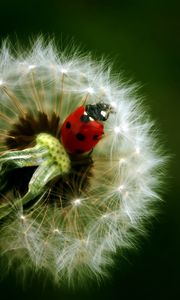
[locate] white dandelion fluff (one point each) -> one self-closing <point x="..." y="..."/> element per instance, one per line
<point x="62" y="213"/>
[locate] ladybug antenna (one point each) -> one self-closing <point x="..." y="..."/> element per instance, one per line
<point x="84" y="99"/>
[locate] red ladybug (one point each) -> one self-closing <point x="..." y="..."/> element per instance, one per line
<point x="83" y="128"/>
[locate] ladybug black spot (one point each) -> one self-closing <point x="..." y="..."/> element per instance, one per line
<point x="68" y="125"/>
<point x="95" y="137"/>
<point x="79" y="151"/>
<point x="80" y="136"/>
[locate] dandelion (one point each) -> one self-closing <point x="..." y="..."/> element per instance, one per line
<point x="62" y="212"/>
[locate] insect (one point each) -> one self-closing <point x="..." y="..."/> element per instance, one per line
<point x="83" y="128"/>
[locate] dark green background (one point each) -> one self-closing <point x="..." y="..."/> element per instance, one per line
<point x="143" y="39"/>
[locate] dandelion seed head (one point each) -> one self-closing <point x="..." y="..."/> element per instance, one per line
<point x="79" y="218"/>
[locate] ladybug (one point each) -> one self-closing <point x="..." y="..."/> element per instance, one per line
<point x="83" y="128"/>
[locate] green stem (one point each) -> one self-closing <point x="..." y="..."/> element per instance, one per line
<point x="51" y="160"/>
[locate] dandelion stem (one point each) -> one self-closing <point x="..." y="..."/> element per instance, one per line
<point x="51" y="160"/>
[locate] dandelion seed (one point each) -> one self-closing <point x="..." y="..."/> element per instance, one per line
<point x="137" y="150"/>
<point x="53" y="156"/>
<point x="121" y="188"/>
<point x="113" y="104"/>
<point x="76" y="202"/>
<point x="90" y="90"/>
<point x="125" y="127"/>
<point x="31" y="67"/>
<point x="122" y="161"/>
<point x="64" y="71"/>
<point x="117" y="129"/>
<point x="56" y="230"/>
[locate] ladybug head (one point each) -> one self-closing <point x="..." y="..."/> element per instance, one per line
<point x="99" y="111"/>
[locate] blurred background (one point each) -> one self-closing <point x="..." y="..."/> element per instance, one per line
<point x="142" y="38"/>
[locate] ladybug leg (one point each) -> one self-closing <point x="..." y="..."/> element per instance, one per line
<point x="90" y="152"/>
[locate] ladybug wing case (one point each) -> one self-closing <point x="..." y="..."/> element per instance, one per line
<point x="78" y="136"/>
